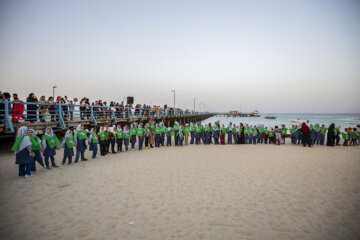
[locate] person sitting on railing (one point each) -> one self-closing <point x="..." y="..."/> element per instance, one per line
<point x="31" y="108"/>
<point x="82" y="108"/>
<point x="65" y="107"/>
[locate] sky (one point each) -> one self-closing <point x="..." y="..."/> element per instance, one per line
<point x="273" y="56"/>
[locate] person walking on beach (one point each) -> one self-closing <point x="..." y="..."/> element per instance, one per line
<point x="140" y="134"/>
<point x="222" y="135"/>
<point x="93" y="142"/>
<point x="241" y="134"/>
<point x="127" y="137"/>
<point x="102" y="141"/>
<point x="119" y="137"/>
<point x="306" y="135"/>
<point x="192" y="133"/>
<point x="36" y="149"/>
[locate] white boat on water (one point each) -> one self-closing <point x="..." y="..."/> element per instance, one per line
<point x="298" y="121"/>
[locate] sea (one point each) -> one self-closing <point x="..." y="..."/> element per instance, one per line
<point x="344" y="120"/>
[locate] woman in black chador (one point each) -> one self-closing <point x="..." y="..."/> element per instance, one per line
<point x="331" y="135"/>
<point x="241" y="135"/>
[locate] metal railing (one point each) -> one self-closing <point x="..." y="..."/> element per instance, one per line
<point x="65" y="113"/>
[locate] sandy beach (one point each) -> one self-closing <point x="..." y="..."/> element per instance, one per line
<point x="194" y="192"/>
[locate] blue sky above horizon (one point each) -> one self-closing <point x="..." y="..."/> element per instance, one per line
<point x="274" y="56"/>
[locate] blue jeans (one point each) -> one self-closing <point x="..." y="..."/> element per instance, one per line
<point x="162" y="139"/>
<point x="168" y="140"/>
<point x="78" y="155"/>
<point x="126" y="143"/>
<point x="25" y="169"/>
<point x="254" y="139"/>
<point x="47" y="161"/>
<point x="230" y="138"/>
<point x="141" y="140"/>
<point x="192" y="134"/>
<point x="250" y="139"/>
<point x="133" y="141"/>
<point x="157" y="140"/>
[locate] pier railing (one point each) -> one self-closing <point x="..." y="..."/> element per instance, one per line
<point x="64" y="114"/>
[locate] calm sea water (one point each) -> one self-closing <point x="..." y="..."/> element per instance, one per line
<point x="343" y="119"/>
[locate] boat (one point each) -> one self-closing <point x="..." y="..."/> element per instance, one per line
<point x="270" y="117"/>
<point x="255" y="113"/>
<point x="298" y="121"/>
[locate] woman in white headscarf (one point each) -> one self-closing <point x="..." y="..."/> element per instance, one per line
<point x="36" y="148"/>
<point x="80" y="142"/>
<point x="102" y="141"/>
<point x="68" y="145"/>
<point x="133" y="131"/>
<point x="119" y="138"/>
<point x="22" y="149"/>
<point x="50" y="143"/>
<point x="112" y="138"/>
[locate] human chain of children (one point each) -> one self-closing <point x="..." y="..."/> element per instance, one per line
<point x="30" y="148"/>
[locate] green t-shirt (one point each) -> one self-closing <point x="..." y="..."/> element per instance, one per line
<point x="140" y="132"/>
<point x="94" y="138"/>
<point x="157" y="131"/>
<point x="186" y="130"/>
<point x="171" y="132"/>
<point x="255" y="131"/>
<point x="323" y="130"/>
<point x="223" y="130"/>
<point x="52" y="141"/>
<point x="35" y="145"/>
<point x="176" y="127"/>
<point x="102" y="136"/>
<point x="345" y="135"/>
<point x="133" y="131"/>
<point x="81" y="134"/>
<point x="283" y="131"/>
<point x="127" y="135"/>
<point x="271" y="133"/>
<point x="152" y="126"/>
<point x="17" y="143"/>
<point x="197" y="129"/>
<point x="163" y="129"/>
<point x="69" y="141"/>
<point x="119" y="133"/>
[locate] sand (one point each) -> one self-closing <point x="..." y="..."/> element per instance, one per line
<point x="194" y="192"/>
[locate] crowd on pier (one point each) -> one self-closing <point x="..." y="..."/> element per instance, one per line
<point x="44" y="108"/>
<point x="31" y="148"/>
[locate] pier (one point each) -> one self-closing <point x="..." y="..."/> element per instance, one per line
<point x="61" y="118"/>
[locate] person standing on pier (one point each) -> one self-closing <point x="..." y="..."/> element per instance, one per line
<point x="22" y="149"/>
<point x="80" y="142"/>
<point x="68" y="145"/>
<point x="50" y="143"/>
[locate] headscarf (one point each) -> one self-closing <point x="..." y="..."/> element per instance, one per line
<point x="79" y="127"/>
<point x="34" y="132"/>
<point x="92" y="130"/>
<point x="67" y="133"/>
<point x="304" y="128"/>
<point x="25" y="142"/>
<point x="118" y="127"/>
<point x="140" y="125"/>
<point x="332" y="127"/>
<point x="51" y="133"/>
<point x="126" y="129"/>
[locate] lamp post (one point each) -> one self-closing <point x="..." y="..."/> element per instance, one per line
<point x="194" y="104"/>
<point x="54" y="92"/>
<point x="174" y="102"/>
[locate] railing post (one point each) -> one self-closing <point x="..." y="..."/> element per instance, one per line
<point x="7" y="117"/>
<point x="92" y="115"/>
<point x="61" y="119"/>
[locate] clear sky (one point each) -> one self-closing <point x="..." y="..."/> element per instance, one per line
<point x="275" y="56"/>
